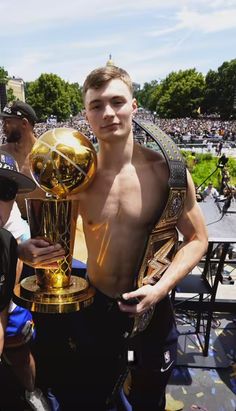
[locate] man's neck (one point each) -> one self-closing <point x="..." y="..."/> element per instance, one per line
<point x="116" y="155"/>
<point x="25" y="144"/>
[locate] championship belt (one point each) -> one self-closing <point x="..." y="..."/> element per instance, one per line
<point x="163" y="239"/>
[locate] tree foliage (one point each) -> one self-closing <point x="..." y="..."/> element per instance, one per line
<point x="220" y="91"/>
<point x="209" y="104"/>
<point x="180" y="94"/>
<point x="145" y="96"/>
<point x="3" y="75"/>
<point x="3" y="82"/>
<point x="51" y="95"/>
<point x="227" y="88"/>
<point x="10" y="95"/>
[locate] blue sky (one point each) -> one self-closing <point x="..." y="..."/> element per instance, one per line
<point x="148" y="38"/>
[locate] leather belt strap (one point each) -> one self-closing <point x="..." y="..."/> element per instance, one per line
<point x="163" y="238"/>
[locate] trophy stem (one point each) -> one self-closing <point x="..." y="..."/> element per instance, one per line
<point x="54" y="290"/>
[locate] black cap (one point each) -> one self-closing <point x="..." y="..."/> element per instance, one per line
<point x="19" y="109"/>
<point x="9" y="169"/>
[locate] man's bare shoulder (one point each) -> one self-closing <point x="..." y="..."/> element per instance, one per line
<point x="154" y="158"/>
<point x="149" y="153"/>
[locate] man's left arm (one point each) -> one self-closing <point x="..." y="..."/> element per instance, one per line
<point x="192" y="226"/>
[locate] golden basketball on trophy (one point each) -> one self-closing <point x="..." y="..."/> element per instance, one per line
<point x="62" y="161"/>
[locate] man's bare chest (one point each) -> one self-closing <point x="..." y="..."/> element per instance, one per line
<point x="136" y="201"/>
<point x="19" y="156"/>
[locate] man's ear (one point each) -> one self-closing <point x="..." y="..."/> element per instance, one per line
<point x="134" y="105"/>
<point x="25" y="122"/>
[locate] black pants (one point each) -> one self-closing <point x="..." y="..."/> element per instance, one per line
<point x="148" y="383"/>
<point x="79" y="356"/>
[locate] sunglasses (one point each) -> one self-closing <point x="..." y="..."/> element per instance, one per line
<point x="8" y="189"/>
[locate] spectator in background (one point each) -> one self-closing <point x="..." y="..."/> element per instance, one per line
<point x="18" y="126"/>
<point x="15" y="330"/>
<point x="219" y="148"/>
<point x="210" y="191"/>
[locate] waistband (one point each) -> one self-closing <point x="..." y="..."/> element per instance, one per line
<point x="101" y="298"/>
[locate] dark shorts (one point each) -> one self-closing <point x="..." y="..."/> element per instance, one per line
<point x="91" y="346"/>
<point x="147" y="383"/>
<point x="155" y="352"/>
<point x="88" y="345"/>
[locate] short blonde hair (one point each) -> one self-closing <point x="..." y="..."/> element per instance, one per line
<point x="100" y="76"/>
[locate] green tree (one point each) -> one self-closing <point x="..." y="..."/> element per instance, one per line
<point x="3" y="75"/>
<point x="227" y="89"/>
<point x="3" y="81"/>
<point x="220" y="92"/>
<point x="180" y="94"/>
<point x="51" y="95"/>
<point x="145" y="95"/>
<point x="26" y="86"/>
<point x="210" y="103"/>
<point x="76" y="101"/>
<point x="10" y="95"/>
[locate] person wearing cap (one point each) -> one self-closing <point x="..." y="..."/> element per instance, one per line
<point x="18" y="120"/>
<point x="18" y="125"/>
<point x="16" y="332"/>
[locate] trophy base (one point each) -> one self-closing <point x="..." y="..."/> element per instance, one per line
<point x="77" y="296"/>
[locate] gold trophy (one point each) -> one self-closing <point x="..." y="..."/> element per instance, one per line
<point x="63" y="161"/>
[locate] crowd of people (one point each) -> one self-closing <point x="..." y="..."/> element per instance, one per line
<point x="187" y="129"/>
<point x="181" y="130"/>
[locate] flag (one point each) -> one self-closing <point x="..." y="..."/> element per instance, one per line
<point x="199" y="110"/>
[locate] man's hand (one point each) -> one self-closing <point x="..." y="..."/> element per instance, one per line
<point x="39" y="253"/>
<point x="141" y="300"/>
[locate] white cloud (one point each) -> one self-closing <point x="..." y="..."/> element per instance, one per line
<point x="206" y="22"/>
<point x="31" y="15"/>
<point x="149" y="38"/>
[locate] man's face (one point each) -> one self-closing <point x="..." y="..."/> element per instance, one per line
<point x="12" y="129"/>
<point x="109" y="110"/>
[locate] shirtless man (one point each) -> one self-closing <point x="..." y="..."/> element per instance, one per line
<point x="125" y="199"/>
<point x="18" y="126"/>
<point x="118" y="210"/>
